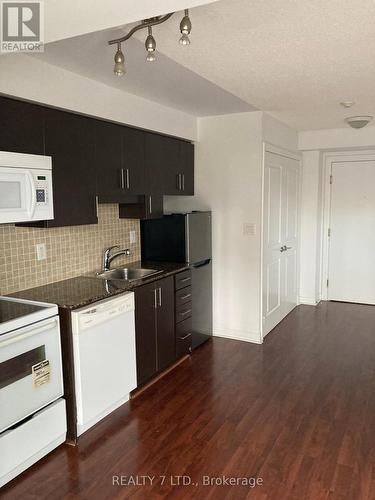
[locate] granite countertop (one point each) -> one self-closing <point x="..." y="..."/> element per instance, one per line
<point x="84" y="290"/>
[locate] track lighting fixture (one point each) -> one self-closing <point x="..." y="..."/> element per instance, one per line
<point x="185" y="29"/>
<point x="119" y="68"/>
<point x="150" y="43"/>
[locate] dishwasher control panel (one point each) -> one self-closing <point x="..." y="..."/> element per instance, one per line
<point x="102" y="311"/>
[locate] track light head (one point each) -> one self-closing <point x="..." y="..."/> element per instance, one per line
<point x="150" y="42"/>
<point x="119" y="68"/>
<point x="185" y="24"/>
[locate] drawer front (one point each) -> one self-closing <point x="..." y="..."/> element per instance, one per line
<point x="183" y="338"/>
<point x="183" y="296"/>
<point x="182" y="280"/>
<point x="183" y="312"/>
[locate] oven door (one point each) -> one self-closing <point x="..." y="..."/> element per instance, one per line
<point x="17" y="195"/>
<point x="30" y="370"/>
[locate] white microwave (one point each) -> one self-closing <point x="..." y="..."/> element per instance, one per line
<point x="25" y="187"/>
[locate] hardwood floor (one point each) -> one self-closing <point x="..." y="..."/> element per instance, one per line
<point x="297" y="412"/>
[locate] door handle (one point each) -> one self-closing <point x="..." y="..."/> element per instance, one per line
<point x="288" y="248"/>
<point x="150" y="204"/>
<point x="155" y="299"/>
<point x="183" y="182"/>
<point x="159" y="290"/>
<point x="178" y="177"/>
<point x="127" y="179"/>
<point x="282" y="249"/>
<point x="122" y="179"/>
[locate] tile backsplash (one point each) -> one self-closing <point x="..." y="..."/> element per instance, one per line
<point x="71" y="251"/>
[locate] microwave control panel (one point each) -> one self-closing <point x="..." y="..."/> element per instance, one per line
<point x="41" y="189"/>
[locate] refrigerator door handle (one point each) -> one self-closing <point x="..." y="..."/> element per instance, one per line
<point x="201" y="264"/>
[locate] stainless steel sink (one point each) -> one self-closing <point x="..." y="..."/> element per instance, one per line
<point x="126" y="273"/>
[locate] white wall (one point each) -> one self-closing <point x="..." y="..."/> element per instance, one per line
<point x="310" y="227"/>
<point x="228" y="181"/>
<point x="314" y="143"/>
<point x="278" y="134"/>
<point x="336" y="139"/>
<point x="28" y="78"/>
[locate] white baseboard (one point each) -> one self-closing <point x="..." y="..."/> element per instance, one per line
<point x="228" y="333"/>
<point x="308" y="301"/>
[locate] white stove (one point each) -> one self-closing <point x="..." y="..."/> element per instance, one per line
<point x="32" y="411"/>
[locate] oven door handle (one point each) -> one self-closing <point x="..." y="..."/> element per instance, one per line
<point x="29" y="332"/>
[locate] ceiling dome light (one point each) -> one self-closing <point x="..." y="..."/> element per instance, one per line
<point x="358" y="121"/>
<point x="150" y="42"/>
<point x="184" y="40"/>
<point x="119" y="68"/>
<point x="185" y="24"/>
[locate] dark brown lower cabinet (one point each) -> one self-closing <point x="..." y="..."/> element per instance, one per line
<point x="155" y="328"/>
<point x="183" y="313"/>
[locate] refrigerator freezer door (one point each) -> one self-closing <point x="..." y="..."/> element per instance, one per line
<point x="198" y="237"/>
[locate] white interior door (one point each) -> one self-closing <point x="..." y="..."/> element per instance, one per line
<point x="280" y="238"/>
<point x="351" y="270"/>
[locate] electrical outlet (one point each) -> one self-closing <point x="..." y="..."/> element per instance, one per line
<point x="41" y="251"/>
<point x="132" y="236"/>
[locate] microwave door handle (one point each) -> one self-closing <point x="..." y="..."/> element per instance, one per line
<point x="32" y="199"/>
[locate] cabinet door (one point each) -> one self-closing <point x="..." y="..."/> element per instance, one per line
<point x="161" y="157"/>
<point x="21" y="127"/>
<point x="70" y="142"/>
<point x="145" y="332"/>
<point x="108" y="160"/>
<point x="186" y="183"/>
<point x="165" y="323"/>
<point x="133" y="163"/>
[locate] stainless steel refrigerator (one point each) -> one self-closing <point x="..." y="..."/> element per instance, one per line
<point x="185" y="237"/>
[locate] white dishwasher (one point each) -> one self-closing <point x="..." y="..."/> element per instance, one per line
<point x="104" y="358"/>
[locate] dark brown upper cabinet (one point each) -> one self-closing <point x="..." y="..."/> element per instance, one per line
<point x="119" y="162"/>
<point x="69" y="140"/>
<point x="186" y="171"/>
<point x="21" y="127"/>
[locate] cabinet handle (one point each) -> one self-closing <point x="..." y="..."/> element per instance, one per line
<point x="185" y="296"/>
<point x="159" y="289"/>
<point x="150" y="204"/>
<point x="178" y="179"/>
<point x="184" y="280"/>
<point x="185" y="312"/>
<point x="127" y="179"/>
<point x="122" y="179"/>
<point x="155" y="300"/>
<point x="183" y="182"/>
<point x="186" y="336"/>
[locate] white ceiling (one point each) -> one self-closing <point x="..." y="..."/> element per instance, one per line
<point x="163" y="81"/>
<point x="294" y="58"/>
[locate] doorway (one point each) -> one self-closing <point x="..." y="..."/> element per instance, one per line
<point x="280" y="237"/>
<point x="350" y="235"/>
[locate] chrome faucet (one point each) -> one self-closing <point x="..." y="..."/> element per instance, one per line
<point x="108" y="257"/>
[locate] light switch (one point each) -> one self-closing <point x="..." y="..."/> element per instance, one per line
<point x="41" y="251"/>
<point x="249" y="229"/>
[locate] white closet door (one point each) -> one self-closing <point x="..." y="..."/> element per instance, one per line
<point x="352" y="241"/>
<point x="280" y="230"/>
